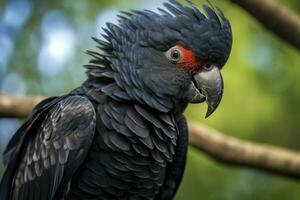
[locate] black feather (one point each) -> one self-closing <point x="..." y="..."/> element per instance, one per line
<point x="43" y="166"/>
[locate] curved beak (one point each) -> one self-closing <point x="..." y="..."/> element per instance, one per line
<point x="209" y="82"/>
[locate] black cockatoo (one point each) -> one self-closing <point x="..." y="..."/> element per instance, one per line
<point x="122" y="135"/>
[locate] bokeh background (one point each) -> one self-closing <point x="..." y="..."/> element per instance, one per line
<point x="42" y="45"/>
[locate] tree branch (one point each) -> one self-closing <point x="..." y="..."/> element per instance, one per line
<point x="234" y="151"/>
<point x="17" y="107"/>
<point x="275" y="17"/>
<point x="222" y="148"/>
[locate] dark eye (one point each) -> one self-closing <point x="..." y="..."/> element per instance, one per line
<point x="207" y="66"/>
<point x="174" y="54"/>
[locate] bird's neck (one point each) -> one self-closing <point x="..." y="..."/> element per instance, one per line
<point x="104" y="80"/>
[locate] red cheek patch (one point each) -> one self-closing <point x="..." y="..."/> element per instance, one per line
<point x="189" y="60"/>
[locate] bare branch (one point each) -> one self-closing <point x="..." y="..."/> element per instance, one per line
<point x="222" y="148"/>
<point x="275" y="17"/>
<point x="17" y="107"/>
<point x="234" y="151"/>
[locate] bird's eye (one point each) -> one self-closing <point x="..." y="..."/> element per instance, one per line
<point x="207" y="66"/>
<point x="174" y="54"/>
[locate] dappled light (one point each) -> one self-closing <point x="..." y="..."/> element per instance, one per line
<point x="58" y="44"/>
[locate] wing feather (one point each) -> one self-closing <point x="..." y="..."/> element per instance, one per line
<point x="51" y="154"/>
<point x="175" y="169"/>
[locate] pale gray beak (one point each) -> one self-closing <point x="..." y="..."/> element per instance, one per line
<point x="207" y="86"/>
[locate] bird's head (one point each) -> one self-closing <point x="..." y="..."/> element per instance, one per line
<point x="170" y="58"/>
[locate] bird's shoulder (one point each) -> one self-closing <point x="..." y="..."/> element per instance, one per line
<point x="52" y="146"/>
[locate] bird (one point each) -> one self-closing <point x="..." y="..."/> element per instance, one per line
<point x="122" y="133"/>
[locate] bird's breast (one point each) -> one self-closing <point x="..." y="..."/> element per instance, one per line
<point x="130" y="152"/>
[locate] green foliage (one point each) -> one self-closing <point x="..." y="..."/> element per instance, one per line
<point x="260" y="103"/>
